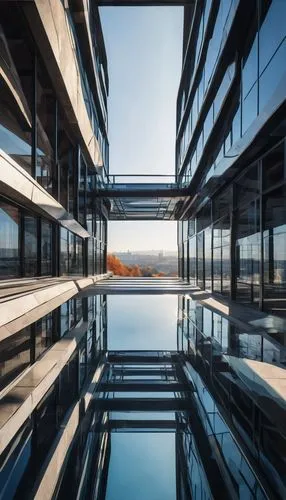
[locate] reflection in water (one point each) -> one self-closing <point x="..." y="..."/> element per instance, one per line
<point x="142" y="322"/>
<point x="147" y="469"/>
<point x="175" y="408"/>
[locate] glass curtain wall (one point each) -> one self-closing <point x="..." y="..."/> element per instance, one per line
<point x="258" y="75"/>
<point x="46" y="127"/>
<point x="10" y="240"/>
<point x="26" y="243"/>
<point x="17" y="67"/>
<point x="31" y="231"/>
<point x="36" y="134"/>
<point x="274" y="231"/>
<point x="46" y="248"/>
<point x="255" y="227"/>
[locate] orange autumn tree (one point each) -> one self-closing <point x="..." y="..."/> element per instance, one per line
<point x="115" y="265"/>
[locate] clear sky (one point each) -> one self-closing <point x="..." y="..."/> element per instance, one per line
<point x="144" y="48"/>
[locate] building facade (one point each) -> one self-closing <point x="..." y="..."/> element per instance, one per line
<point x="230" y="150"/>
<point x="53" y="139"/>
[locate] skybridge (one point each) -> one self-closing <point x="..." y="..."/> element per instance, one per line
<point x="144" y="197"/>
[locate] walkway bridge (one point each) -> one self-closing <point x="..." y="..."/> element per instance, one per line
<point x="143" y="3"/>
<point x="144" y="197"/>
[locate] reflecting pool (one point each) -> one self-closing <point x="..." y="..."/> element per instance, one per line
<point x="142" y="322"/>
<point x="141" y="397"/>
<point x="142" y="466"/>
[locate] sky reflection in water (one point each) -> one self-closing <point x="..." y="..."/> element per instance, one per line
<point x="142" y="322"/>
<point x="142" y="466"/>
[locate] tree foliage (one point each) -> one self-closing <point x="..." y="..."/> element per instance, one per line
<point x="115" y="265"/>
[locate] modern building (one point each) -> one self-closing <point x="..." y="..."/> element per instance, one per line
<point x="53" y="139"/>
<point x="231" y="150"/>
<point x="218" y="393"/>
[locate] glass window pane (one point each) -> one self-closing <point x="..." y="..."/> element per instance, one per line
<point x="9" y="243"/>
<point x="46" y="114"/>
<point x="249" y="108"/>
<point x="64" y="258"/>
<point x="30" y="245"/>
<point x="14" y="356"/>
<point x="248" y="255"/>
<point x="43" y="334"/>
<point x="272" y="31"/>
<point x="192" y="260"/>
<point x="250" y="69"/>
<point x="46" y="249"/>
<point x="208" y="258"/>
<point x="274" y="242"/>
<point x="15" y="127"/>
<point x="204" y="217"/>
<point x="247" y="186"/>
<point x="273" y="167"/>
<point x="200" y="260"/>
<point x="272" y="76"/>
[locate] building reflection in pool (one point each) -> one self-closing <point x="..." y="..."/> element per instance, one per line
<point x="203" y="420"/>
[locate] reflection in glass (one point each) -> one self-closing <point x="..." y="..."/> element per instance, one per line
<point x="30" y="245"/>
<point x="9" y="243"/>
<point x="46" y="248"/>
<point x="274" y="242"/>
<point x="43" y="334"/>
<point x="14" y="355"/>
<point x="272" y="31"/>
<point x="248" y="255"/>
<point x="192" y="260"/>
<point x="200" y="259"/>
<point x="208" y="258"/>
<point x="272" y="75"/>
<point x="64" y="251"/>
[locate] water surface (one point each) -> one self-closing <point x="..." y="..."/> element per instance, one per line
<point x="142" y="322"/>
<point x="142" y="467"/>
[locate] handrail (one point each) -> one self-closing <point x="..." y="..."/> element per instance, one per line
<point x="145" y="179"/>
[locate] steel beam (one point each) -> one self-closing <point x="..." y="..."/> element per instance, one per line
<point x="140" y="404"/>
<point x="143" y="386"/>
<point x="142" y="424"/>
<point x="143" y="3"/>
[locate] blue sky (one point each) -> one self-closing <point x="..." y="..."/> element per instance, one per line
<point x="144" y="47"/>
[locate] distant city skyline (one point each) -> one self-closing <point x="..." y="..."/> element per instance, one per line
<point x="145" y="252"/>
<point x="144" y="50"/>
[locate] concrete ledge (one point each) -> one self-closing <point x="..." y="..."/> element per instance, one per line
<point x="16" y="183"/>
<point x="19" y="312"/>
<point x="266" y="384"/>
<point x="18" y="307"/>
<point x="84" y="283"/>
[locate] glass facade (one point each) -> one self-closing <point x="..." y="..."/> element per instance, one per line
<point x="37" y="132"/>
<point x="26" y="246"/>
<point x="244" y="237"/>
<point x="226" y="97"/>
<point x="9" y="243"/>
<point x="16" y="84"/>
<point x="242" y="94"/>
<point x="27" y="451"/>
<point x="212" y="342"/>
